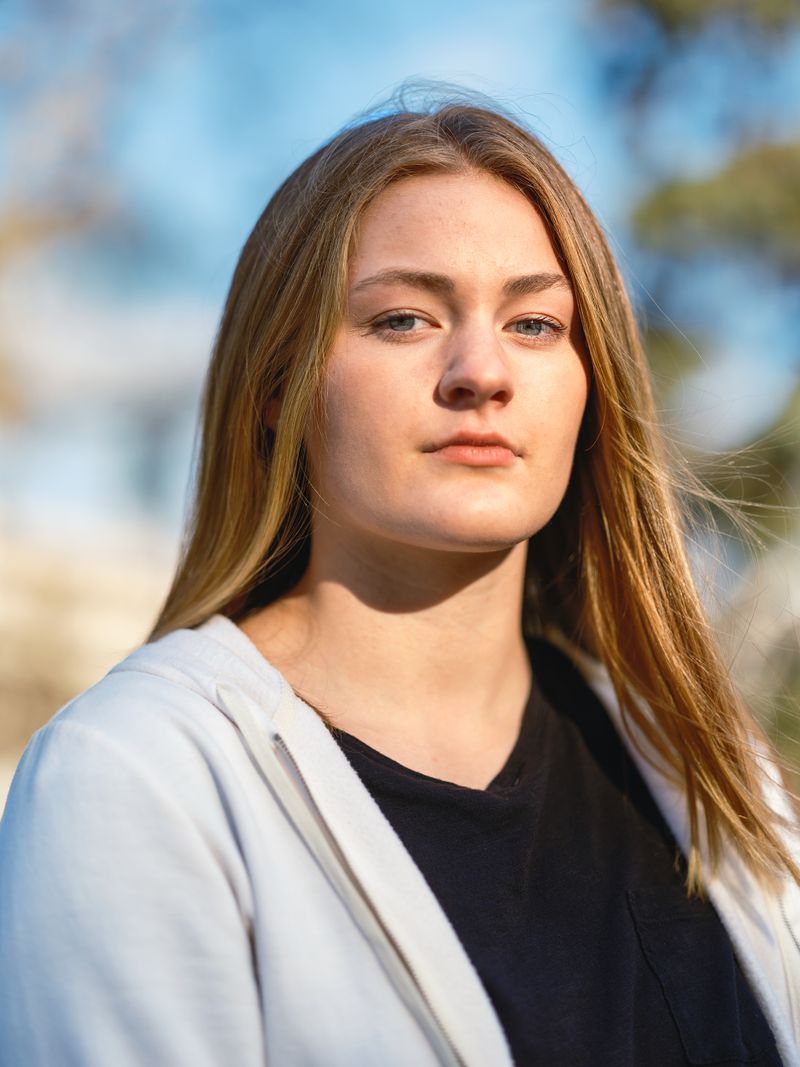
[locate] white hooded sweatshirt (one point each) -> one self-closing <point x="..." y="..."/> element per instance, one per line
<point x="193" y="875"/>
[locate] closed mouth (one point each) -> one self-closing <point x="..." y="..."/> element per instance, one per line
<point x="474" y="441"/>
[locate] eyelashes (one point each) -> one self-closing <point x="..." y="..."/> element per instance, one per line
<point x="383" y="327"/>
<point x="397" y="328"/>
<point x="552" y="328"/>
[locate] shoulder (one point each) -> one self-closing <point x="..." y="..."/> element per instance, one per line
<point x="148" y="738"/>
<point x="120" y="848"/>
<point x="137" y="790"/>
<point x="130" y="729"/>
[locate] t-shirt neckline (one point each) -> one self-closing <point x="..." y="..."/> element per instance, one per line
<point x="509" y="777"/>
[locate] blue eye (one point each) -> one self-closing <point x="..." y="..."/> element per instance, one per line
<point x="397" y="323"/>
<point x="393" y="327"/>
<point x="537" y="329"/>
<point x="532" y="328"/>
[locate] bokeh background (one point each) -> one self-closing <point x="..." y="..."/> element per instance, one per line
<point x="140" y="141"/>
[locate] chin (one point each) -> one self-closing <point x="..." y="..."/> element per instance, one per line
<point x="488" y="526"/>
<point x="455" y="525"/>
<point x="483" y="540"/>
<point x="478" y="535"/>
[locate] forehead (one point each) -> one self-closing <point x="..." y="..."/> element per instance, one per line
<point x="472" y="218"/>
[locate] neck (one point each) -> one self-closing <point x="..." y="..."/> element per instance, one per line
<point x="384" y="637"/>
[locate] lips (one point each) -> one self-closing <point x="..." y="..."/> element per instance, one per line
<point x="476" y="450"/>
<point x="475" y="440"/>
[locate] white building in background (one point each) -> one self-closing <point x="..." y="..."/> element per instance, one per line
<point x="94" y="464"/>
<point x="66" y="617"/>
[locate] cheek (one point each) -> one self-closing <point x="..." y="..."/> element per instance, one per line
<point x="355" y="406"/>
<point x="560" y="403"/>
<point x="578" y="395"/>
<point x="360" y="418"/>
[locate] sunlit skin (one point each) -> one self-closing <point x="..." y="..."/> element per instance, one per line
<point x="406" y="627"/>
<point x="412" y="366"/>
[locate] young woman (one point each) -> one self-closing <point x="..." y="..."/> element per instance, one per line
<point x="431" y="757"/>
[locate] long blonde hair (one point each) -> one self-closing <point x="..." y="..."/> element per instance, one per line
<point x="609" y="571"/>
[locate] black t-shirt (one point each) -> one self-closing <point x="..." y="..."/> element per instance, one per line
<point x="565" y="887"/>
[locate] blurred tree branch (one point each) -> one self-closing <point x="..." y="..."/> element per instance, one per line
<point x="674" y="17"/>
<point x="722" y="59"/>
<point x="64" y="72"/>
<point x="750" y="206"/>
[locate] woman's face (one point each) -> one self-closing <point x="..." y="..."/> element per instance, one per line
<point x="457" y="382"/>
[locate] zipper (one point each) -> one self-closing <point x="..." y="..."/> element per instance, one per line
<point x="294" y="796"/>
<point x="788" y="925"/>
<point x="452" y="1055"/>
<point x="794" y="998"/>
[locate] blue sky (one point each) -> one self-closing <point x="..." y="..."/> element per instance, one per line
<point x="229" y="103"/>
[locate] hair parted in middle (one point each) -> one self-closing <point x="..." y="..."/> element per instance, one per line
<point x="609" y="571"/>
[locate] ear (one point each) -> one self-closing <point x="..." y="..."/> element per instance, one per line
<point x="273" y="411"/>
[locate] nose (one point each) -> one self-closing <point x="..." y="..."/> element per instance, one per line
<point x="476" y="370"/>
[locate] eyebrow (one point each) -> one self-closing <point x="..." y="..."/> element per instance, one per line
<point x="443" y="285"/>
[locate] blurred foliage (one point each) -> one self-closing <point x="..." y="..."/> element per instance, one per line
<point x="749" y="206"/>
<point x="721" y="58"/>
<point x="713" y="56"/>
<point x="680" y="16"/>
<point x="672" y="355"/>
<point x="66" y="71"/>
<point x="63" y="72"/>
<point x="763" y="476"/>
